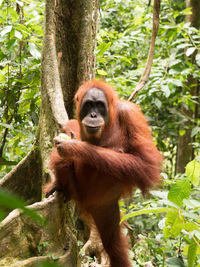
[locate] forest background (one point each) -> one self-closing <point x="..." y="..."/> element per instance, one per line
<point x="164" y="230"/>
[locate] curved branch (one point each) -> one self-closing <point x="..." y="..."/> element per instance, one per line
<point x="22" y="180"/>
<point x="145" y="75"/>
<point x="51" y="84"/>
<point x="20" y="236"/>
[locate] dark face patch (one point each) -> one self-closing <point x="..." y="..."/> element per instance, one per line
<point x="94" y="106"/>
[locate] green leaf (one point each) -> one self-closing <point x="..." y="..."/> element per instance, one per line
<point x="158" y="103"/>
<point x="190" y="215"/>
<point x="174" y="262"/>
<point x="160" y="194"/>
<point x="101" y="60"/>
<point x="193" y="172"/>
<point x="192" y="252"/>
<point x="189" y="226"/>
<point x="101" y="72"/>
<point x="192" y="203"/>
<point x="182" y="46"/>
<point x="7" y="162"/>
<point x="6" y="30"/>
<point x="182" y="132"/>
<point x="1" y="2"/>
<point x="174" y="62"/>
<point x="179" y="191"/>
<point x="176" y="82"/>
<point x="195" y="130"/>
<point x="166" y="91"/>
<point x="12" y="202"/>
<point x="7" y="125"/>
<point x="190" y="51"/>
<point x="187" y="11"/>
<point x="102" y="48"/>
<point x="34" y="51"/>
<point x="198" y="59"/>
<point x="18" y="35"/>
<point x="144" y="211"/>
<point x="19" y="2"/>
<point x="173" y="224"/>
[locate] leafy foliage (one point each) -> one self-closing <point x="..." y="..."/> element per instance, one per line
<point x="182" y="218"/>
<point x="164" y="231"/>
<point x="21" y="39"/>
<point x="123" y="43"/>
<point x="9" y="202"/>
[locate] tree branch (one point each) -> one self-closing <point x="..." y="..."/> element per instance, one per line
<point x="23" y="179"/>
<point x="145" y="75"/>
<point x="51" y="84"/>
<point x="21" y="237"/>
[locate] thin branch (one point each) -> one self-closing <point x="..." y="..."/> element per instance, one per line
<point x="145" y="75"/>
<point x="4" y="138"/>
<point x="190" y="37"/>
<point x="190" y="233"/>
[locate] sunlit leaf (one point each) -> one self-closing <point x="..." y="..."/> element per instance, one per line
<point x="198" y="59"/>
<point x="144" y="211"/>
<point x="192" y="203"/>
<point x="182" y="132"/>
<point x="189" y="226"/>
<point x="193" y="172"/>
<point x="173" y="224"/>
<point x="1" y="2"/>
<point x="174" y="262"/>
<point x="6" y="125"/>
<point x="103" y="47"/>
<point x="6" y="30"/>
<point x="20" y="3"/>
<point x="18" y="35"/>
<point x="190" y="51"/>
<point x="182" y="46"/>
<point x="195" y="131"/>
<point x="101" y="72"/>
<point x="176" y="82"/>
<point x="34" y="51"/>
<point x="179" y="191"/>
<point x="192" y="251"/>
<point x="166" y="90"/>
<point x="187" y="11"/>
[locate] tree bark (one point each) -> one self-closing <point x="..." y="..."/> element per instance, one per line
<point x="22" y="180"/>
<point x="75" y="42"/>
<point x="185" y="151"/>
<point x="67" y="61"/>
<point x="25" y="243"/>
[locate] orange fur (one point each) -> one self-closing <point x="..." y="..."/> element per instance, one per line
<point x="98" y="176"/>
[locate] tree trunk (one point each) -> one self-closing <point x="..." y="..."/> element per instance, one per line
<point x="67" y="61"/>
<point x="75" y="41"/>
<point x="185" y="151"/>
